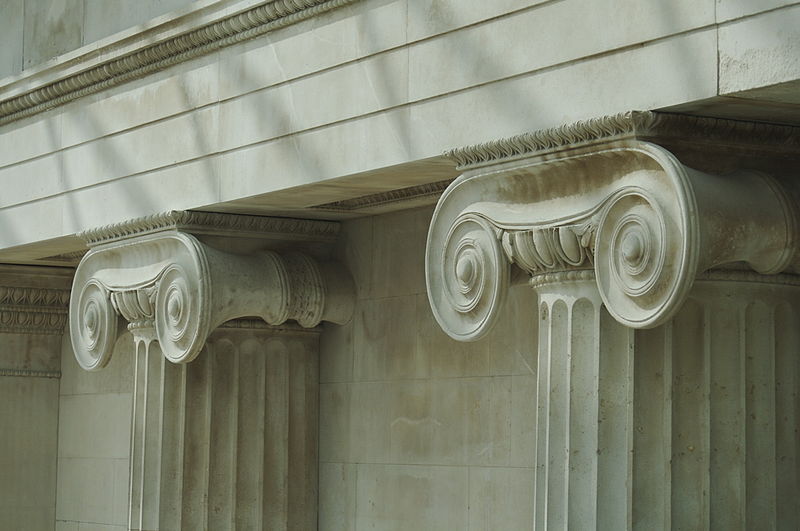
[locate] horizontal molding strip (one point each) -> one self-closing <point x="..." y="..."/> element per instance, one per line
<point x="29" y="373"/>
<point x="126" y="65"/>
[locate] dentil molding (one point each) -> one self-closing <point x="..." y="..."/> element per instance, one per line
<point x="570" y="203"/>
<point x="175" y="277"/>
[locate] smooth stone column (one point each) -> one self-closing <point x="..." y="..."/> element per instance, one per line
<point x="691" y="425"/>
<point x="228" y="441"/>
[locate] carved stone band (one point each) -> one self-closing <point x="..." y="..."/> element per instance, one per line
<point x="628" y="209"/>
<point x="172" y="288"/>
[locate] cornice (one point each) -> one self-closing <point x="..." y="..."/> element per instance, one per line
<point x="216" y="224"/>
<point x="71" y="81"/>
<point x="631" y="125"/>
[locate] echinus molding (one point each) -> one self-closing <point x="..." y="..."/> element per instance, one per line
<point x="625" y="211"/>
<point x="642" y="125"/>
<point x="120" y="65"/>
<point x="157" y="277"/>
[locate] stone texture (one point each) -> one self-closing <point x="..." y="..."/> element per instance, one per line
<point x="32" y="305"/>
<point x="29" y="413"/>
<point x="94" y="441"/>
<point x="52" y="27"/>
<point x="11" y="29"/>
<point x="421" y="398"/>
<point x="760" y="51"/>
<point x="401" y="497"/>
<point x="732" y="9"/>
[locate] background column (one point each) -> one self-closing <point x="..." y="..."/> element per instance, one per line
<point x="228" y="441"/>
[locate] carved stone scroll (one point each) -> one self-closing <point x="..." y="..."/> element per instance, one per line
<point x="173" y="288"/>
<point x="628" y="210"/>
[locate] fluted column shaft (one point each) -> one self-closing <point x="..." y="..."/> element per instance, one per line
<point x="228" y="441"/>
<point x="690" y="425"/>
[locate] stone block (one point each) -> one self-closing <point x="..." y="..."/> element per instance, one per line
<point x="522" y="451"/>
<point x="11" y="30"/>
<point x="106" y="17"/>
<point x="89" y="490"/>
<point x="384" y="348"/>
<point x="341" y="93"/>
<point x="181" y="88"/>
<point x="679" y="69"/>
<point x="732" y="9"/>
<point x="337" y="502"/>
<point x="52" y="27"/>
<point x="500" y="498"/>
<point x="411" y="497"/>
<point x="470" y="56"/>
<point x="29" y="351"/>
<point x="354" y="250"/>
<point x="151" y="192"/>
<point x="399" y="253"/>
<point x="427" y="18"/>
<point x="162" y="144"/>
<point x="30" y="138"/>
<point x="48" y="182"/>
<point x="95" y="426"/>
<point x="448" y="358"/>
<point x="338" y="37"/>
<point x="29" y="413"/>
<point x="760" y="51"/>
<point x="336" y="353"/>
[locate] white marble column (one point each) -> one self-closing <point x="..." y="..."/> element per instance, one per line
<point x="225" y="314"/>
<point x="668" y="368"/>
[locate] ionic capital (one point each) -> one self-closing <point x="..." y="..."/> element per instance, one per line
<point x="606" y="199"/>
<point x="176" y="277"/>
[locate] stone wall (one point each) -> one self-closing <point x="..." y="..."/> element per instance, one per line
<point x="29" y="415"/>
<point x="418" y="431"/>
<point x="94" y="442"/>
<point x="34" y="31"/>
